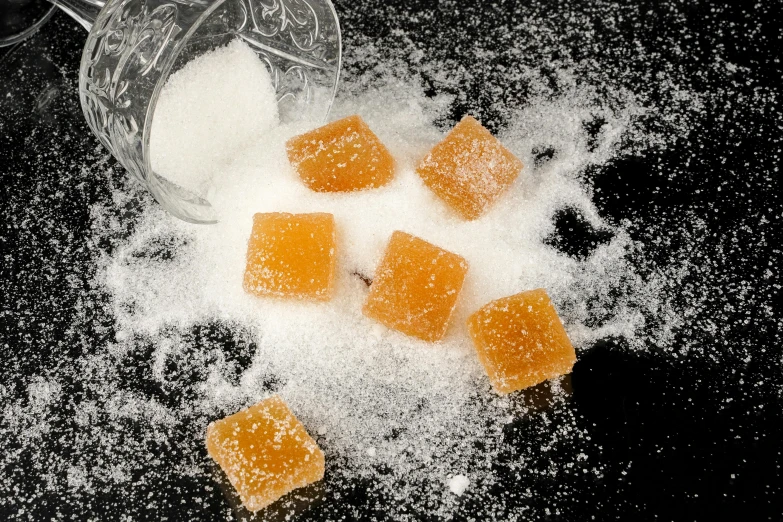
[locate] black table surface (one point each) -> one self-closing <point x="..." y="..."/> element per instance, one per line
<point x="683" y="436"/>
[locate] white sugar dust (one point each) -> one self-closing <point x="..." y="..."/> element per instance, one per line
<point x="209" y="111"/>
<point x="374" y="398"/>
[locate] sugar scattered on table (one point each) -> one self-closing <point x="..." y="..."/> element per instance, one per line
<point x="424" y="410"/>
<point x="191" y="346"/>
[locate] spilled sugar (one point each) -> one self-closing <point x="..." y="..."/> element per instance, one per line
<point x="162" y="339"/>
<point x="375" y="398"/>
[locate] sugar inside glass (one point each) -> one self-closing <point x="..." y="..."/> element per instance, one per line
<point x="520" y="341"/>
<point x="265" y="452"/>
<point x="342" y="156"/>
<point x="470" y="169"/>
<point x="291" y="255"/>
<point x="415" y="288"/>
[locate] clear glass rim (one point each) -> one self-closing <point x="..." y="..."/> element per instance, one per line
<point x="339" y="59"/>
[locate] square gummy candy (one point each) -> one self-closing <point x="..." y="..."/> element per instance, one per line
<point x="342" y="156"/>
<point x="291" y="255"/>
<point x="469" y="169"/>
<point x="520" y="341"/>
<point x="415" y="287"/>
<point x="265" y="452"/>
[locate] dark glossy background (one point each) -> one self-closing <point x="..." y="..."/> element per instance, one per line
<point x="686" y="438"/>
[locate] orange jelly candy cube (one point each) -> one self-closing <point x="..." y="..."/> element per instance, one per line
<point x="469" y="169"/>
<point x="342" y="156"/>
<point x="291" y="255"/>
<point x="265" y="452"/>
<point x="520" y="341"/>
<point x="415" y="288"/>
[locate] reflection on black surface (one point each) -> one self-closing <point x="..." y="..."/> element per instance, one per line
<point x="21" y="18"/>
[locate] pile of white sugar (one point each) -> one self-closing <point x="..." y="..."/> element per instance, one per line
<point x="208" y="112"/>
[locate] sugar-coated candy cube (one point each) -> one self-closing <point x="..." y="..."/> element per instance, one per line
<point x="265" y="452"/>
<point x="342" y="156"/>
<point x="291" y="255"/>
<point x="415" y="287"/>
<point x="520" y="341"/>
<point x="469" y="169"/>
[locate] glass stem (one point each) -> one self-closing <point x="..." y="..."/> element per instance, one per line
<point x="83" y="11"/>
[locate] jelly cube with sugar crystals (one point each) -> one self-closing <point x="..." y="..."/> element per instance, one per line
<point x="415" y="287"/>
<point x="291" y="255"/>
<point x="342" y="156"/>
<point x="470" y="169"/>
<point x="265" y="452"/>
<point x="520" y="341"/>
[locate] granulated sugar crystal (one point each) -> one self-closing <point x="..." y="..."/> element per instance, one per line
<point x="458" y="484"/>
